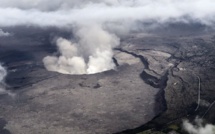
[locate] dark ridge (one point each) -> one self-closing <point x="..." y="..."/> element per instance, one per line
<point x="97" y="86"/>
<point x="143" y="59"/>
<point x="150" y="80"/>
<point x="147" y="78"/>
<point x="115" y="61"/>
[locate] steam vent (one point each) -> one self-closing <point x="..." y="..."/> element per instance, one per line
<point x="107" y="67"/>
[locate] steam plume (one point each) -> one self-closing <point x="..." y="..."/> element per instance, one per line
<point x="3" y="74"/>
<point x="92" y="52"/>
<point x="63" y="13"/>
<point x="198" y="128"/>
<point x="2" y="33"/>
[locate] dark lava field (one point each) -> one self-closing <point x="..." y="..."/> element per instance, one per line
<point x="162" y="76"/>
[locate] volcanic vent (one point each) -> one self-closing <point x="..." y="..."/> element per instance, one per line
<point x="92" y="53"/>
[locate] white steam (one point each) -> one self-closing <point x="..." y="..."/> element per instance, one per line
<point x="3" y="74"/>
<point x="93" y="51"/>
<point x="46" y="5"/>
<point x="198" y="127"/>
<point x="2" y="33"/>
<point x="91" y="54"/>
<point x="63" y="13"/>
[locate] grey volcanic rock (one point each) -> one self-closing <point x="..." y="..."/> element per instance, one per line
<point x="191" y="63"/>
<point x="48" y="102"/>
<point x="155" y="75"/>
<point x="100" y="103"/>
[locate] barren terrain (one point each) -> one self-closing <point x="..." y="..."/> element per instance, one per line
<point x="156" y="82"/>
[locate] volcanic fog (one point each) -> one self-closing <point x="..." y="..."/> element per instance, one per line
<point x="98" y="25"/>
<point x="128" y="61"/>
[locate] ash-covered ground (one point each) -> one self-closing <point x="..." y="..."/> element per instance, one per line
<point x="156" y="82"/>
